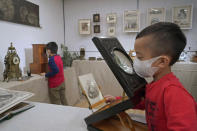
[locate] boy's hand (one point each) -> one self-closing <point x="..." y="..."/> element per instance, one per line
<point x="42" y="74"/>
<point x="110" y="98"/>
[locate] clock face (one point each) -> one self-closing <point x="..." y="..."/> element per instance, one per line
<point x="16" y="60"/>
<point x="123" y="62"/>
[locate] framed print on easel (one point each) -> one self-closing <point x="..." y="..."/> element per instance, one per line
<point x="92" y="92"/>
<point x="182" y="16"/>
<point x="131" y="21"/>
<point x="84" y="26"/>
<point x="155" y="15"/>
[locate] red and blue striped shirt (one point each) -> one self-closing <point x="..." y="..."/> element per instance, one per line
<point x="56" y="72"/>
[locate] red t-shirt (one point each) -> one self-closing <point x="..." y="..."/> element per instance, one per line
<point x="169" y="107"/>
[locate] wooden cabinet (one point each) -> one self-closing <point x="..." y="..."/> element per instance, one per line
<point x="40" y="60"/>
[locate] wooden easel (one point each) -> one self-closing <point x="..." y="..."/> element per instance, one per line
<point x="123" y="122"/>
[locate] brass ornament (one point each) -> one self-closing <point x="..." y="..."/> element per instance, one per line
<point x="12" y="61"/>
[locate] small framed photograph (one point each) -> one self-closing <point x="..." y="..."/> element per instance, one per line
<point x="96" y="28"/>
<point x="84" y="26"/>
<point x="131" y="21"/>
<point x="111" y="31"/>
<point x="155" y="15"/>
<point x="96" y="17"/>
<point x="111" y="18"/>
<point x="182" y="16"/>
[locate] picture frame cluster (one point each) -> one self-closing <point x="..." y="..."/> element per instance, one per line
<point x="181" y="15"/>
<point x="96" y="19"/>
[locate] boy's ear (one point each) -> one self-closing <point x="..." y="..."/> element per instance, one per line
<point x="162" y="62"/>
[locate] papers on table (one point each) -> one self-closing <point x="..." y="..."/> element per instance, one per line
<point x="10" y="98"/>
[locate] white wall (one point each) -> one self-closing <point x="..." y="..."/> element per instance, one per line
<point x="168" y="5"/>
<point x="22" y="36"/>
<point x="84" y="9"/>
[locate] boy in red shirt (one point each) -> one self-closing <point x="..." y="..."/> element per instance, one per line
<point x="169" y="107"/>
<point x="55" y="75"/>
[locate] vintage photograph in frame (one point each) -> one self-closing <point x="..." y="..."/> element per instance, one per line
<point x="182" y="16"/>
<point x="91" y="90"/>
<point x="96" y="28"/>
<point x="96" y="17"/>
<point x="84" y="26"/>
<point x="111" y="31"/>
<point x="20" y="11"/>
<point x="111" y="18"/>
<point x="155" y="15"/>
<point x="131" y="21"/>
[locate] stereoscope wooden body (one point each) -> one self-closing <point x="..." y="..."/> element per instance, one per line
<point x="122" y="67"/>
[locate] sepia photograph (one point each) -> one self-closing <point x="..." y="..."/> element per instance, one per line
<point x="84" y="26"/>
<point x="182" y="15"/>
<point x="90" y="88"/>
<point x="111" y="31"/>
<point x="155" y="15"/>
<point x="131" y="21"/>
<point x="111" y="18"/>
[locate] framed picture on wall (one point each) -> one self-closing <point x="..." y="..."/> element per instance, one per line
<point x="20" y="11"/>
<point x="155" y="15"/>
<point x="111" y="18"/>
<point x="182" y="15"/>
<point x="96" y="17"/>
<point x="96" y="28"/>
<point x="111" y="31"/>
<point x="84" y="26"/>
<point x="131" y="21"/>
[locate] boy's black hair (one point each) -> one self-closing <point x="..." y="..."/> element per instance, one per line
<point x="52" y="46"/>
<point x="168" y="39"/>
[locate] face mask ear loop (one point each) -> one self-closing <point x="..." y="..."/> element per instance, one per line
<point x="153" y="60"/>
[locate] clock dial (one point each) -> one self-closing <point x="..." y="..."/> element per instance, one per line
<point x="123" y="62"/>
<point x="16" y="60"/>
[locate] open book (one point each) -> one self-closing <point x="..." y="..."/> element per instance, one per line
<point x="92" y="92"/>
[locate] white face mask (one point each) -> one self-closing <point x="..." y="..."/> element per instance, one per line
<point x="144" y="68"/>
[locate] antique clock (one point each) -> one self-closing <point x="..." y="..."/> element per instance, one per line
<point x="12" y="61"/>
<point x="122" y="67"/>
